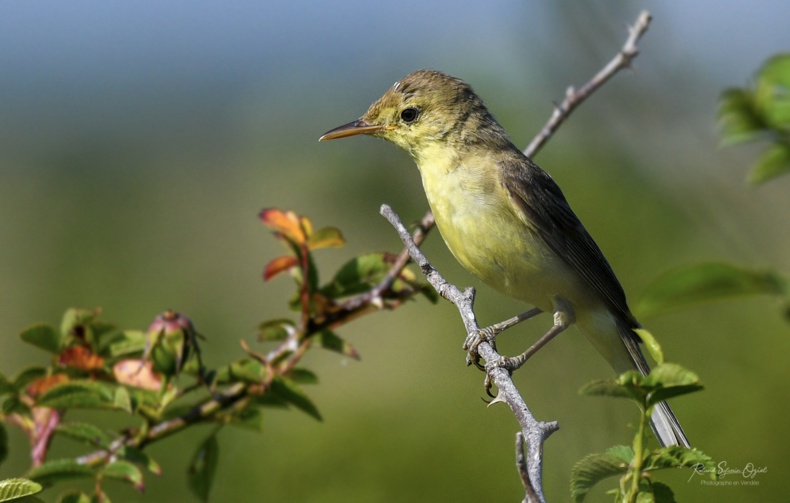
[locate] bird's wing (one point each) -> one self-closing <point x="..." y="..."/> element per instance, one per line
<point x="544" y="207"/>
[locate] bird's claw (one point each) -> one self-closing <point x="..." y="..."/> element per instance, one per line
<point x="473" y="341"/>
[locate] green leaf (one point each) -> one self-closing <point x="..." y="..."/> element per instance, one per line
<point x="59" y="470"/>
<point x="270" y="400"/>
<point x="248" y="370"/>
<point x="122" y="400"/>
<point x="302" y="376"/>
<point x="772" y="90"/>
<point x="140" y="458"/>
<point x="775" y="161"/>
<point x="651" y="344"/>
<point x="676" y="456"/>
<point x="662" y="493"/>
<point x="6" y="386"/>
<point x="250" y="418"/>
<point x="628" y="385"/>
<point x="325" y="238"/>
<point x="86" y="433"/>
<point x="293" y="394"/>
<point x="738" y="117"/>
<point x="203" y="467"/>
<point x="707" y="282"/>
<point x="623" y="452"/>
<point x="74" y="496"/>
<point x="76" y="317"/>
<point x="42" y="336"/>
<point x="329" y="340"/>
<point x="275" y="330"/>
<point x="129" y="342"/>
<point x="591" y="470"/>
<point x="125" y="471"/>
<point x="669" y="380"/>
<point x="11" y="489"/>
<point x="79" y="394"/>
<point x="357" y="275"/>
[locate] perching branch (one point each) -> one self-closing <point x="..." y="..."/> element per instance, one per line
<point x="574" y="98"/>
<point x="535" y="432"/>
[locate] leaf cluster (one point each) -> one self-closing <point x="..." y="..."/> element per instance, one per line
<point x="155" y="378"/>
<point x="761" y="112"/>
<point x="635" y="464"/>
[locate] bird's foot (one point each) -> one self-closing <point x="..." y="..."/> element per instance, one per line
<point x="473" y="341"/>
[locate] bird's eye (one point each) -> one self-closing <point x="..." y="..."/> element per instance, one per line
<point x="409" y="115"/>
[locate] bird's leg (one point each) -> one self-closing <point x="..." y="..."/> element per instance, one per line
<point x="564" y="317"/>
<point x="488" y="334"/>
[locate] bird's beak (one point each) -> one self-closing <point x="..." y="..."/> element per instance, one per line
<point x="356" y="127"/>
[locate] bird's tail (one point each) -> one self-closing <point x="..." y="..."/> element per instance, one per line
<point x="663" y="421"/>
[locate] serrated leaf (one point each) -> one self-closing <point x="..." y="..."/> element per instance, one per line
<point x="293" y="394"/>
<point x="59" y="470"/>
<point x="326" y="238"/>
<point x="591" y="470"/>
<point x="140" y="458"/>
<point x="676" y="456"/>
<point x="125" y="471"/>
<point x="79" y="394"/>
<point x="627" y="386"/>
<point x="622" y="452"/>
<point x="707" y="282"/>
<point x="85" y="432"/>
<point x="203" y="467"/>
<point x="669" y="380"/>
<point x="11" y="489"/>
<point x="329" y="340"/>
<point x="42" y="336"/>
<point x="775" y="161"/>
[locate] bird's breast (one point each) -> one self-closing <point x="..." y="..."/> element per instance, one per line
<point x="484" y="233"/>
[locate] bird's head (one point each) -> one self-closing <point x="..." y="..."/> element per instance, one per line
<point x="424" y="108"/>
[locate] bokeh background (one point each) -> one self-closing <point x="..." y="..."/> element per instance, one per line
<point x="138" y="141"/>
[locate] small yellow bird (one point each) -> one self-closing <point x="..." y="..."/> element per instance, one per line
<point x="506" y="220"/>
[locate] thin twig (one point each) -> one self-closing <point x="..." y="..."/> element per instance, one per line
<point x="535" y="431"/>
<point x="574" y="98"/>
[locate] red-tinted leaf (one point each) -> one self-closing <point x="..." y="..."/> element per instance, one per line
<point x="81" y="358"/>
<point x="278" y="265"/>
<point x="43" y="384"/>
<point x="286" y="223"/>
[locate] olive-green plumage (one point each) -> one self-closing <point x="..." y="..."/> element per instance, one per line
<point x="504" y="218"/>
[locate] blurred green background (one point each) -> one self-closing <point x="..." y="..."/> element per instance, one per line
<point x="138" y="142"/>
